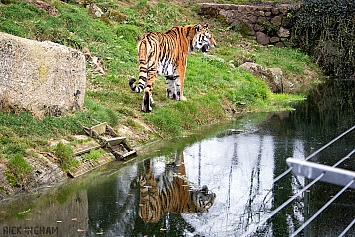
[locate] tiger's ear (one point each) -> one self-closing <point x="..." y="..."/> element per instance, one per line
<point x="198" y="28"/>
<point x="205" y="25"/>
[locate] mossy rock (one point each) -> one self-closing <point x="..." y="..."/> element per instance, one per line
<point x="245" y="31"/>
<point x="209" y="12"/>
<point x="222" y="19"/>
<point x="117" y="16"/>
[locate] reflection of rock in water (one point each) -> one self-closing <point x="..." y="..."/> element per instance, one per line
<point x="112" y="205"/>
<point x="170" y="193"/>
<point x="50" y="218"/>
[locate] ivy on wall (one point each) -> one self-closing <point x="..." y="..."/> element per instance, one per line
<point x="326" y="30"/>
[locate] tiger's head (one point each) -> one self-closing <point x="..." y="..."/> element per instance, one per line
<point x="203" y="39"/>
<point x="203" y="199"/>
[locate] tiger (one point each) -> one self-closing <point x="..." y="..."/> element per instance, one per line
<point x="170" y="193"/>
<point x="166" y="54"/>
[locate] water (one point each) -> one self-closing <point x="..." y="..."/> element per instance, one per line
<point x="237" y="161"/>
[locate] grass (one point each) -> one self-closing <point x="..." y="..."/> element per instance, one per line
<point x="65" y="155"/>
<point x="275" y="57"/>
<point x="18" y="171"/>
<point x="93" y="155"/>
<point x="213" y="84"/>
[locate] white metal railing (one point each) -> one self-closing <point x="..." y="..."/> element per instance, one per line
<point x="317" y="172"/>
<point x="326" y="174"/>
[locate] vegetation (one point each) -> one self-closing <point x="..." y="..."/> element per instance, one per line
<point x="214" y="84"/>
<point x="18" y="172"/>
<point x="93" y="155"/>
<point x="65" y="155"/>
<point x="325" y="30"/>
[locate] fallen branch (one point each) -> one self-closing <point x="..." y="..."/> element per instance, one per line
<point x="96" y="62"/>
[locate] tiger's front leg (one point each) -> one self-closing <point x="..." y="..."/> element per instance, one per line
<point x="180" y="80"/>
<point x="172" y="89"/>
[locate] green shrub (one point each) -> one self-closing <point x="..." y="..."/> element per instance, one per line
<point x="93" y="155"/>
<point x="66" y="156"/>
<point x="325" y="30"/>
<point x="18" y="171"/>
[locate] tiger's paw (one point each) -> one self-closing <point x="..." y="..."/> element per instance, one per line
<point x="183" y="98"/>
<point x="146" y="108"/>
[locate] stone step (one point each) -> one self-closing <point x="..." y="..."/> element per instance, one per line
<point x="88" y="166"/>
<point x="115" y="141"/>
<point x="85" y="147"/>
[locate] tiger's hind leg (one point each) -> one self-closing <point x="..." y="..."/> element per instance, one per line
<point x="147" y="95"/>
<point x="147" y="100"/>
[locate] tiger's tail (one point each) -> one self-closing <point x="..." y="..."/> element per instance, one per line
<point x="147" y="99"/>
<point x="145" y="62"/>
<point x="136" y="88"/>
<point x="143" y="67"/>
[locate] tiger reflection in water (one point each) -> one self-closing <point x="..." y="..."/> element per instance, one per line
<point x="170" y="193"/>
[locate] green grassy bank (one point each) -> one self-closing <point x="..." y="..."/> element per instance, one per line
<point x="215" y="87"/>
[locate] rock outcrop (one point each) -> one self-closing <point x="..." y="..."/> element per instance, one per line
<point x="40" y="77"/>
<point x="272" y="76"/>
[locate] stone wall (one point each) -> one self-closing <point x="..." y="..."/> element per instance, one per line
<point x="266" y="23"/>
<point x="41" y="77"/>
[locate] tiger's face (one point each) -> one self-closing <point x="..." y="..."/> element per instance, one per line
<point x="203" y="199"/>
<point x="203" y="39"/>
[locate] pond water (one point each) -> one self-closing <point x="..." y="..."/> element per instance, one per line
<point x="217" y="183"/>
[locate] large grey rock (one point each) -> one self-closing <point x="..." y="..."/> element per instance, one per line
<point x="262" y="38"/>
<point x="41" y="77"/>
<point x="283" y="32"/>
<point x="272" y="76"/>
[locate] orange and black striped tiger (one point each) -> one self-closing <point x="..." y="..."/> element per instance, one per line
<point x="166" y="54"/>
<point x="170" y="192"/>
